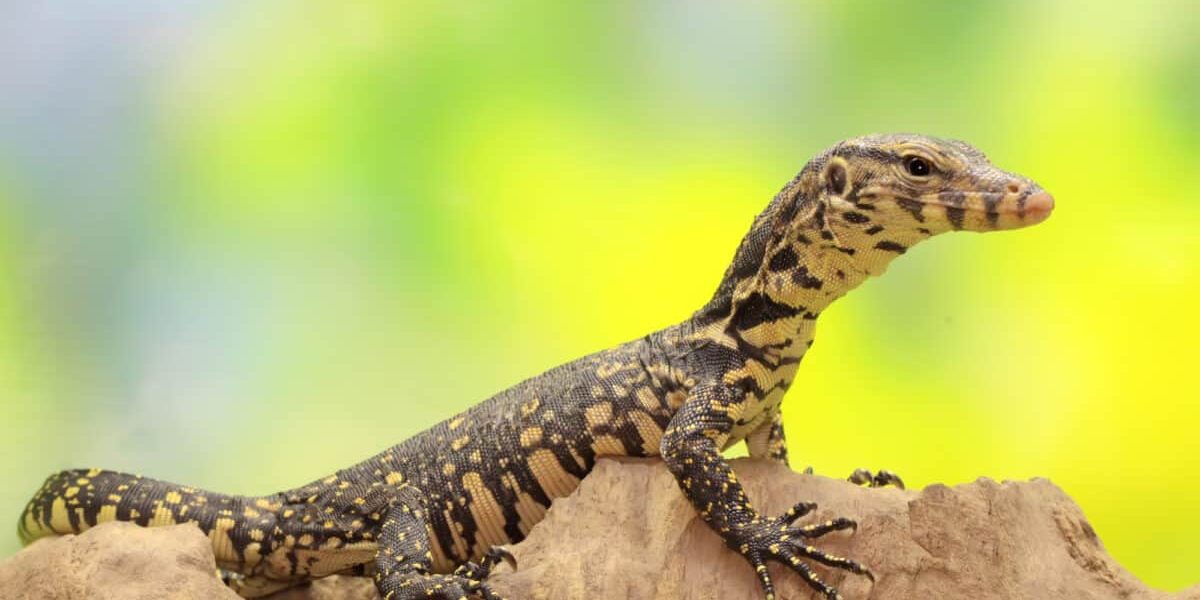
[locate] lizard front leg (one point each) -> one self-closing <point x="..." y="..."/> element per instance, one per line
<point x="691" y="449"/>
<point x="768" y="440"/>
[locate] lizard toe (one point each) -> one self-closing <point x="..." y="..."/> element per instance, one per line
<point x="777" y="539"/>
<point x="883" y="478"/>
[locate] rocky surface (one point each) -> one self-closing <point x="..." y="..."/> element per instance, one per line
<point x="628" y="533"/>
<point x="116" y="561"/>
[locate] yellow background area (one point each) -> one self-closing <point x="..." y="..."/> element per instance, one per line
<point x="246" y="244"/>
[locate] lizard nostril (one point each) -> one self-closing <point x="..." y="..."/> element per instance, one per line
<point x="1013" y="188"/>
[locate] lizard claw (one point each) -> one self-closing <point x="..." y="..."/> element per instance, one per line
<point x="471" y="574"/>
<point x="482" y="569"/>
<point x="881" y="479"/>
<point x="799" y="510"/>
<point x="779" y="540"/>
<point x="497" y="553"/>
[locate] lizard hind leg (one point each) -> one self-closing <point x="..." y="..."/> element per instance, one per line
<point x="404" y="562"/>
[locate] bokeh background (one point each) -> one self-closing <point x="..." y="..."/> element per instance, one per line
<point x="245" y="244"/>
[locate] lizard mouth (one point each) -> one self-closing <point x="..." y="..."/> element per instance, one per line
<point x="1020" y="210"/>
<point x="990" y="211"/>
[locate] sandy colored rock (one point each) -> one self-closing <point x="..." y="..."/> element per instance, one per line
<point x="117" y="561"/>
<point x="627" y="532"/>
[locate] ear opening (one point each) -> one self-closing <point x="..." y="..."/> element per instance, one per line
<point x="835" y="176"/>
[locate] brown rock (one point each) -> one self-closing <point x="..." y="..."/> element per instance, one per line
<point x="116" y="561"/>
<point x="332" y="588"/>
<point x="627" y="532"/>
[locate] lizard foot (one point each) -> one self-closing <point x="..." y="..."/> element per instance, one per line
<point x="777" y="539"/>
<point x="880" y="479"/>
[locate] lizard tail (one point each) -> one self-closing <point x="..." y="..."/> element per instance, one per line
<point x="76" y="500"/>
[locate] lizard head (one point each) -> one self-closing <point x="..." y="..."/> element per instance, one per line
<point x="891" y="191"/>
<point x="863" y="202"/>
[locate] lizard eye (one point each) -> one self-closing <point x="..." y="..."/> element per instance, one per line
<point x="917" y="166"/>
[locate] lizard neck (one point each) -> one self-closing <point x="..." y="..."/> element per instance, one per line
<point x="789" y="268"/>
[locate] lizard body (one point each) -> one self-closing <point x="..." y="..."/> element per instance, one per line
<point x="424" y="516"/>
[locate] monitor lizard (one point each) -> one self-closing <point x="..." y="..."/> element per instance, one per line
<point x="427" y="516"/>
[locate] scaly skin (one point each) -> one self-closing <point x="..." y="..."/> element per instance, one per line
<point x="421" y="515"/>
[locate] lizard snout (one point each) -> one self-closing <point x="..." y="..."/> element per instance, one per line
<point x="1019" y="209"/>
<point x="1038" y="207"/>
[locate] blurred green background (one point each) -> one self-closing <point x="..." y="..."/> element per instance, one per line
<point x="245" y="244"/>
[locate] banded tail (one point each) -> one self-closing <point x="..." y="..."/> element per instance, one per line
<point x="76" y="500"/>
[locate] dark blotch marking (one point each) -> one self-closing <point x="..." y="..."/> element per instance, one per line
<point x="913" y="207"/>
<point x="789" y="211"/>
<point x="891" y="246"/>
<point x="783" y="260"/>
<point x="846" y="251"/>
<point x="715" y="311"/>
<point x="990" y="202"/>
<point x="805" y="279"/>
<point x="745" y="267"/>
<point x="955" y="215"/>
<point x="874" y="229"/>
<point x="855" y="217"/>
<point x="757" y="309"/>
<point x="924" y="231"/>
<point x="826" y="235"/>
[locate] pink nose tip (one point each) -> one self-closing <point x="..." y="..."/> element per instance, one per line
<point x="1038" y="207"/>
